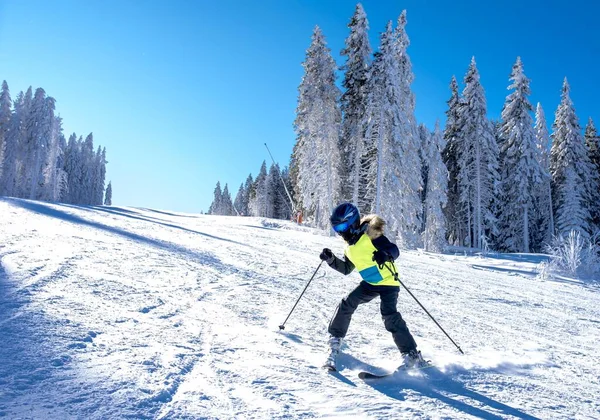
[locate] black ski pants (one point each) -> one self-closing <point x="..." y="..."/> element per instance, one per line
<point x="392" y="319"/>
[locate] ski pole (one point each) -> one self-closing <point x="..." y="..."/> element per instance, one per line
<point x="395" y="274"/>
<point x="282" y="326"/>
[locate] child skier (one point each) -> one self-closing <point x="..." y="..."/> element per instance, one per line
<point x="373" y="255"/>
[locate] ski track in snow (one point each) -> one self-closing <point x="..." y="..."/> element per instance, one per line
<point x="111" y="312"/>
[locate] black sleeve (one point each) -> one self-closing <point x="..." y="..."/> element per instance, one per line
<point x="383" y="244"/>
<point x="344" y="266"/>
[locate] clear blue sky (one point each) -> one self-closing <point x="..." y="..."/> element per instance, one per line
<point x="185" y="93"/>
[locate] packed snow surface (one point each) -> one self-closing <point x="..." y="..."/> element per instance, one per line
<point x="111" y="312"/>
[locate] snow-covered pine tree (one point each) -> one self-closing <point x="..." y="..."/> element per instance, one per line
<point x="54" y="175"/>
<point x="102" y="176"/>
<point x="35" y="145"/>
<point x="478" y="162"/>
<point x="424" y="145"/>
<point x="89" y="175"/>
<point x="278" y="200"/>
<point x="543" y="227"/>
<point x="71" y="164"/>
<point x="239" y="200"/>
<point x="381" y="117"/>
<point x="258" y="199"/>
<point x="317" y="126"/>
<point x="388" y="136"/>
<point x="226" y="204"/>
<point x="25" y="124"/>
<point x="521" y="173"/>
<point x="248" y="191"/>
<point x="454" y="226"/>
<point x="294" y="167"/>
<point x="353" y="101"/>
<point x="99" y="169"/>
<point x="5" y="115"/>
<point x="216" y="205"/>
<point x="409" y="169"/>
<point x="592" y="142"/>
<point x="272" y="183"/>
<point x="9" y="181"/>
<point x="571" y="213"/>
<point x="569" y="158"/>
<point x="108" y="195"/>
<point x="285" y="207"/>
<point x="436" y="195"/>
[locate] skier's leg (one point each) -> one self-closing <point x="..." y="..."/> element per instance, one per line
<point x="393" y="320"/>
<point x="338" y="327"/>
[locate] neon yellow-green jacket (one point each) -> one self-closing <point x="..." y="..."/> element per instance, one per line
<point x="360" y="255"/>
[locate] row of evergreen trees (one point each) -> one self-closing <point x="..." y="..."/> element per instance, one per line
<point x="264" y="196"/>
<point x="37" y="163"/>
<point x="363" y="144"/>
<point x="509" y="184"/>
<point x="506" y="184"/>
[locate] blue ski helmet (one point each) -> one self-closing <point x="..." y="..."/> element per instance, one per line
<point x="345" y="218"/>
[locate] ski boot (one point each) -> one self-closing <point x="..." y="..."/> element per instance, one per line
<point x="335" y="343"/>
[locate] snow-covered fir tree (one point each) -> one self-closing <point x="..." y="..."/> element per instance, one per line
<point x="317" y="126"/>
<point x="226" y="204"/>
<point x="239" y="200"/>
<point x="521" y="173"/>
<point x="5" y="115"/>
<point x="289" y="201"/>
<point x="424" y="144"/>
<point x="55" y="178"/>
<point x="353" y="102"/>
<point x="278" y="200"/>
<point x="434" y="236"/>
<point x="592" y="142"/>
<point x="216" y="205"/>
<point x="272" y="182"/>
<point x="88" y="170"/>
<point x="409" y="170"/>
<point x="392" y="139"/>
<point x="543" y="225"/>
<point x="71" y="165"/>
<point x="99" y="171"/>
<point x="37" y="162"/>
<point x="34" y="145"/>
<point x="571" y="169"/>
<point x="478" y="163"/>
<point x="381" y="119"/>
<point x="9" y="181"/>
<point x="108" y="195"/>
<point x="571" y="213"/>
<point x="294" y="173"/>
<point x="455" y="229"/>
<point x="258" y="199"/>
<point x="248" y="191"/>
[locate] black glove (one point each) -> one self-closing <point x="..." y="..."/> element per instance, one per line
<point x="381" y="257"/>
<point x="327" y="256"/>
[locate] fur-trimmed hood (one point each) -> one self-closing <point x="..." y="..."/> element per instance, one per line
<point x="375" y="225"/>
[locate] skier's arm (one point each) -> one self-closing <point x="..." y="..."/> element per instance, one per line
<point x="382" y="243"/>
<point x="344" y="266"/>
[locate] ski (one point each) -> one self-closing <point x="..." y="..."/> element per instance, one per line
<point x="368" y="375"/>
<point x="364" y="375"/>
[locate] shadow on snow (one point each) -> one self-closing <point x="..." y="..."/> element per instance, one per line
<point x="435" y="384"/>
<point x="34" y="363"/>
<point x="49" y="211"/>
<point x="30" y="359"/>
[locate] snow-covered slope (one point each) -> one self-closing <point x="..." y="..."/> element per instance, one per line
<point x="109" y="312"/>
